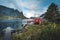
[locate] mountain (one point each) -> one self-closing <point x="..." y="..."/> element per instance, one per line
<point x="6" y="12"/>
<point x="8" y="16"/>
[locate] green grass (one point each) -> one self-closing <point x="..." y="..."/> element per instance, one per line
<point x="49" y="31"/>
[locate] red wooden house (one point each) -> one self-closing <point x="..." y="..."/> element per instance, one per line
<point x="37" y="21"/>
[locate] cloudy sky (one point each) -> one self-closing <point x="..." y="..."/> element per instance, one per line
<point x="29" y="7"/>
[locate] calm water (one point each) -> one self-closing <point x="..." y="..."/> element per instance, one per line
<point x="7" y="33"/>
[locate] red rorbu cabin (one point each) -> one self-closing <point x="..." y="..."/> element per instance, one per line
<point x="37" y="21"/>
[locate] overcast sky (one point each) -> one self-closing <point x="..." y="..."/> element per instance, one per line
<point x="29" y="7"/>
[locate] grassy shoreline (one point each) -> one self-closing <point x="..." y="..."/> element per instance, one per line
<point x="49" y="31"/>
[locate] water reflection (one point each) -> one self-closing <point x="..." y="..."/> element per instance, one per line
<point x="7" y="34"/>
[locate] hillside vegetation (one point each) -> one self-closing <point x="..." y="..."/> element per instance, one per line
<point x="48" y="31"/>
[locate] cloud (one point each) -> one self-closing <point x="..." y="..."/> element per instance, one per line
<point x="7" y="3"/>
<point x="30" y="4"/>
<point x="29" y="7"/>
<point x="11" y="5"/>
<point x="31" y="13"/>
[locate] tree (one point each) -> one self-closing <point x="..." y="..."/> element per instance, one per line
<point x="51" y="13"/>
